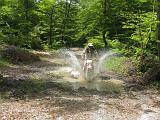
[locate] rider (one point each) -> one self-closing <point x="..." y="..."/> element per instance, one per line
<point x="89" y="53"/>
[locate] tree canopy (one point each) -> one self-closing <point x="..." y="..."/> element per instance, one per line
<point x="131" y="26"/>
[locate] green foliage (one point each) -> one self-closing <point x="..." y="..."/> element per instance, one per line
<point x="130" y="26"/>
<point x="144" y="34"/>
<point x="142" y="42"/>
<point x="57" y="45"/>
<point x="4" y="62"/>
<point x="97" y="42"/>
<point x="115" y="44"/>
<point x="117" y="65"/>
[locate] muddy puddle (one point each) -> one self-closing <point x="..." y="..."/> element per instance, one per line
<point x="108" y="85"/>
<point x="100" y="84"/>
<point x="72" y="75"/>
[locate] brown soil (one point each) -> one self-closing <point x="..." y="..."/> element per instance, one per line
<point x="37" y="91"/>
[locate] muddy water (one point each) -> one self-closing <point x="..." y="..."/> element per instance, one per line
<point x="110" y="85"/>
<point x="75" y="66"/>
<point x="61" y="105"/>
<point x="125" y="109"/>
<point x="102" y="85"/>
<point x="112" y="110"/>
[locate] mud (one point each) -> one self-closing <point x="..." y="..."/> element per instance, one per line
<point x="55" y="95"/>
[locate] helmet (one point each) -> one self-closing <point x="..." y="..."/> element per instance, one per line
<point x="90" y="45"/>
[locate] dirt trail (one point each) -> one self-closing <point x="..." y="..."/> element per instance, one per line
<point x="51" y="94"/>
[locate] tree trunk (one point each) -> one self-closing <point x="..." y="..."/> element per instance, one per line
<point x="104" y="39"/>
<point x="158" y="28"/>
<point x="64" y="22"/>
<point x="105" y="6"/>
<point x="50" y="28"/>
<point x="26" y="4"/>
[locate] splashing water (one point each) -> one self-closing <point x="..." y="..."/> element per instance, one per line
<point x="101" y="61"/>
<point x="74" y="62"/>
<point x="75" y="66"/>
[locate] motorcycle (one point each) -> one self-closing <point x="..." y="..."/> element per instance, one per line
<point x="88" y="69"/>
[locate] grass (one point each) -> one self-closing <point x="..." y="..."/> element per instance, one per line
<point x="116" y="64"/>
<point x="122" y="66"/>
<point x="4" y="63"/>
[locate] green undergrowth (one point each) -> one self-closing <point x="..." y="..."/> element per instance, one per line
<point x="155" y="85"/>
<point x="116" y="64"/>
<point x="4" y="63"/>
<point x="128" y="67"/>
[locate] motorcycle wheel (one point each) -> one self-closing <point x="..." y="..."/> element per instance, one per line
<point x="89" y="74"/>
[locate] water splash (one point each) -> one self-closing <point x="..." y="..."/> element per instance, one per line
<point x="75" y="67"/>
<point x="73" y="61"/>
<point x="101" y="61"/>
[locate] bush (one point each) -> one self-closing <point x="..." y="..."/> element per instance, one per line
<point x="4" y="63"/>
<point x="56" y="45"/>
<point x="115" y="44"/>
<point x="97" y="42"/>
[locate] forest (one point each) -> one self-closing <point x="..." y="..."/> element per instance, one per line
<point x="128" y="25"/>
<point x="34" y="32"/>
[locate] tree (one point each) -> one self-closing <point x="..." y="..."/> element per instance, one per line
<point x="158" y="27"/>
<point x="47" y="10"/>
<point x="105" y="6"/>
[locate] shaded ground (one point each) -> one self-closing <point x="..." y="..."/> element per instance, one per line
<point x="43" y="91"/>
